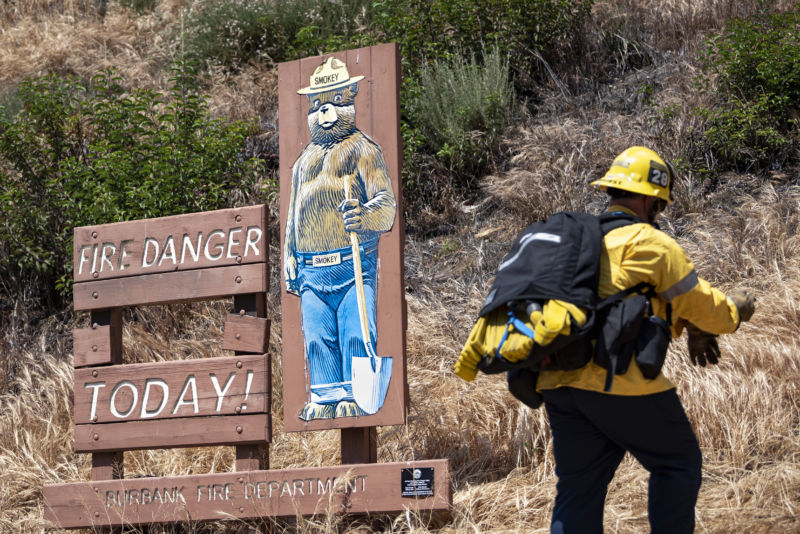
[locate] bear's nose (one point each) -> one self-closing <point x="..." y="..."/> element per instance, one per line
<point x="325" y="108"/>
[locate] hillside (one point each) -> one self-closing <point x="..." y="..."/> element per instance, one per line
<point x="634" y="74"/>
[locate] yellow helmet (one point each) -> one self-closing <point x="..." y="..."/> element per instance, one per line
<point x="639" y="170"/>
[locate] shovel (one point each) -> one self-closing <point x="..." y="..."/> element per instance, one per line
<point x="370" y="375"/>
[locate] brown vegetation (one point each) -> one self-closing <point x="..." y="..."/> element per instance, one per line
<point x="741" y="230"/>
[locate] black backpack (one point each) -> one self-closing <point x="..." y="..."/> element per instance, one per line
<point x="559" y="259"/>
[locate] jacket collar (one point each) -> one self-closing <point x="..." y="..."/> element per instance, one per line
<point x="616" y="208"/>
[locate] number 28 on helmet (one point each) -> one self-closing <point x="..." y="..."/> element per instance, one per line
<point x="642" y="171"/>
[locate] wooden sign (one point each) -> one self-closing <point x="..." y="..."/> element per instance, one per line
<point x="176" y="389"/>
<point x="245" y="333"/>
<point x="154" y="401"/>
<point x="373" y="488"/>
<point x="170" y="259"/>
<point x="178" y="243"/>
<point x="343" y="307"/>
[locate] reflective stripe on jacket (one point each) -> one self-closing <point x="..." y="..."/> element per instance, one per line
<point x="641" y="253"/>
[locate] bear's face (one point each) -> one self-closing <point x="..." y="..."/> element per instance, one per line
<point x="332" y="115"/>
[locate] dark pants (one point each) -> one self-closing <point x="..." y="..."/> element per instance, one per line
<point x="592" y="431"/>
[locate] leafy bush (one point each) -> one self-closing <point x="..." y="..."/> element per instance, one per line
<point x="524" y="30"/>
<point x="232" y="32"/>
<point x="756" y="66"/>
<point x="329" y="26"/>
<point x="750" y="133"/>
<point x="80" y="155"/>
<point x="462" y="108"/>
<point x="10" y="104"/>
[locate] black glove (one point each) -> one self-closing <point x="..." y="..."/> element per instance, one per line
<point x="703" y="346"/>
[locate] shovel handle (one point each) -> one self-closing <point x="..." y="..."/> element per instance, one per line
<point x="359" y="279"/>
<point x="358" y="273"/>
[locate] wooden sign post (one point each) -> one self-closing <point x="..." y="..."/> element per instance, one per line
<point x="344" y="322"/>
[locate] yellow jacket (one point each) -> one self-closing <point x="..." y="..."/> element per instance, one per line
<point x="640" y="253"/>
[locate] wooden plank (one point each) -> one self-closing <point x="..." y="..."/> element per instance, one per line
<point x="392" y="322"/>
<point x="182" y="242"/>
<point x="101" y="343"/>
<point x="91" y="346"/>
<point x="377" y="114"/>
<point x="169" y="433"/>
<point x="166" y="288"/>
<point x="108" y="465"/>
<point x="370" y="488"/>
<point x="245" y="333"/>
<point x="169" y="390"/>
<point x="251" y="457"/>
<point x="359" y="445"/>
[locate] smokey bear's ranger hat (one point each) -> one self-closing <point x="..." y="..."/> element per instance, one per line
<point x="332" y="74"/>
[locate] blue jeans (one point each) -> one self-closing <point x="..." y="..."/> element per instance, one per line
<point x="331" y="322"/>
<point x="591" y="433"/>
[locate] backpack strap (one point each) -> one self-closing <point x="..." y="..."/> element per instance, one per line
<point x="611" y="221"/>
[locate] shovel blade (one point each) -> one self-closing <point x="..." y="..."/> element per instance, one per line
<point x="371" y="382"/>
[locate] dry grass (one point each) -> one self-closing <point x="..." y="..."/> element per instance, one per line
<point x="64" y="46"/>
<point x="740" y="231"/>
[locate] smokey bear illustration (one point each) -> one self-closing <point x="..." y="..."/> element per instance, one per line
<point x="341" y="200"/>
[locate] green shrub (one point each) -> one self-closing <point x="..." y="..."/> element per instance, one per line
<point x="328" y="26"/>
<point x="524" y="30"/>
<point x="230" y="32"/>
<point x="756" y="66"/>
<point x="79" y="155"/>
<point x="233" y="32"/>
<point x="462" y="108"/>
<point x="10" y="103"/>
<point x="749" y="134"/>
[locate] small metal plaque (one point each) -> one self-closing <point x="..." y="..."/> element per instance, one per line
<point x="417" y="482"/>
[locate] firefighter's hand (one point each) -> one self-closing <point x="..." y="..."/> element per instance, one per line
<point x="703" y="346"/>
<point x="745" y="302"/>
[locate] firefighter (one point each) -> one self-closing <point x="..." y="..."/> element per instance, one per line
<point x="592" y="428"/>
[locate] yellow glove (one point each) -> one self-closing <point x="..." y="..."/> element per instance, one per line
<point x="518" y="345"/>
<point x="483" y="339"/>
<point x="556" y="320"/>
